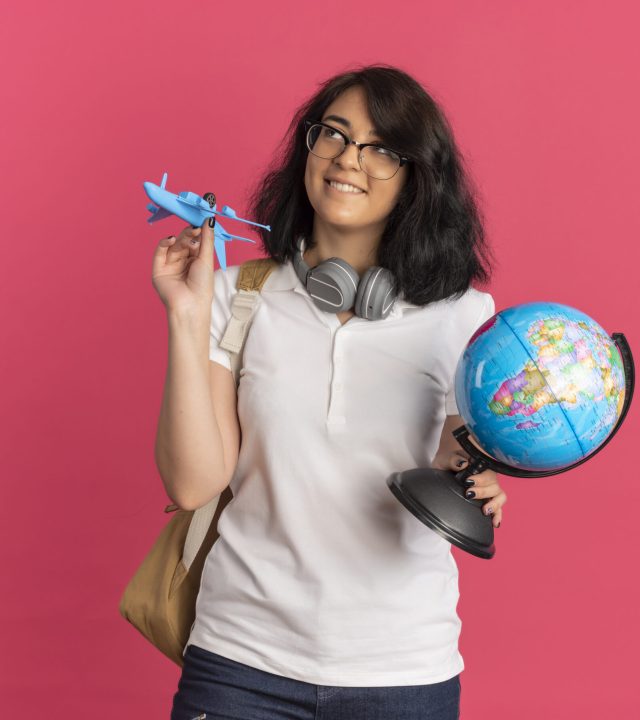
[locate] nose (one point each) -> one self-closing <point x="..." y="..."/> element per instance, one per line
<point x="349" y="157"/>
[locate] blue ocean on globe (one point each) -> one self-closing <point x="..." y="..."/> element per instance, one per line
<point x="540" y="386"/>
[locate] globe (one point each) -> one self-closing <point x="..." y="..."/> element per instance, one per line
<point x="540" y="386"/>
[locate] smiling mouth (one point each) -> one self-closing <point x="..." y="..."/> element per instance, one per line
<point x="345" y="188"/>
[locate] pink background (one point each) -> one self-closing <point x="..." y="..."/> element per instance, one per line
<point x="97" y="98"/>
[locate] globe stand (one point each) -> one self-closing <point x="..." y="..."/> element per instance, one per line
<point x="436" y="497"/>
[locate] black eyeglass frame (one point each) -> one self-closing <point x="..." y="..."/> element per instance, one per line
<point x="348" y="141"/>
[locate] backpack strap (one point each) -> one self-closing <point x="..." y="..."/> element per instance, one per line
<point x="251" y="279"/>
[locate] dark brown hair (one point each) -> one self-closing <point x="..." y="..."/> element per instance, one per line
<point x="434" y="242"/>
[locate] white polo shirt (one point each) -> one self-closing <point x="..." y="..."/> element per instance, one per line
<point x="319" y="573"/>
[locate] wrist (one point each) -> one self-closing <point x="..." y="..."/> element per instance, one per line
<point x="190" y="329"/>
<point x="189" y="318"/>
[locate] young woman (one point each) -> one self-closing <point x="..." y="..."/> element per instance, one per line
<point x="324" y="597"/>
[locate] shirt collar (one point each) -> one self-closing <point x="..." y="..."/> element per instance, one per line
<point x="284" y="277"/>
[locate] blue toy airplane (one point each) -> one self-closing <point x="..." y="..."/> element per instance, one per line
<point x="194" y="209"/>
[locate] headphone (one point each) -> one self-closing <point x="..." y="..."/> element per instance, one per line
<point x="334" y="286"/>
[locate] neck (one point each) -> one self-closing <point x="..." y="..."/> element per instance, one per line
<point x="357" y="246"/>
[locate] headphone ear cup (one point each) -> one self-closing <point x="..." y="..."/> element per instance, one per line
<point x="375" y="296"/>
<point x="333" y="285"/>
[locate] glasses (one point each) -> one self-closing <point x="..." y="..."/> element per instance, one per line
<point x="325" y="141"/>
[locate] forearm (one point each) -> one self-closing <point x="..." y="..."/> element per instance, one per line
<point x="188" y="451"/>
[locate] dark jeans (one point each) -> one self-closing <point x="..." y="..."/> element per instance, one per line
<point x="222" y="688"/>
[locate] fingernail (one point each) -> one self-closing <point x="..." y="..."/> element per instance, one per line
<point x="469" y="482"/>
<point x="212" y="221"/>
<point x="488" y="511"/>
<point x="470" y="494"/>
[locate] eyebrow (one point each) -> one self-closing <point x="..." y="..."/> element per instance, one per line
<point x="346" y="123"/>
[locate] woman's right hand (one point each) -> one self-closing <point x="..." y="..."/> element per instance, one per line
<point x="183" y="271"/>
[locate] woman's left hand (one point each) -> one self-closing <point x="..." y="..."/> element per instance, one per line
<point x="484" y="485"/>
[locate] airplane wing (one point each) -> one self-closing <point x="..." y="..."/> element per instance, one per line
<point x="157" y="214"/>
<point x="231" y="213"/>
<point x="229" y="236"/>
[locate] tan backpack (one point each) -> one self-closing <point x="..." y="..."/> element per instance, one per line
<point x="160" y="599"/>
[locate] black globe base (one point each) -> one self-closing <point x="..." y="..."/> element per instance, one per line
<point x="437" y="499"/>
